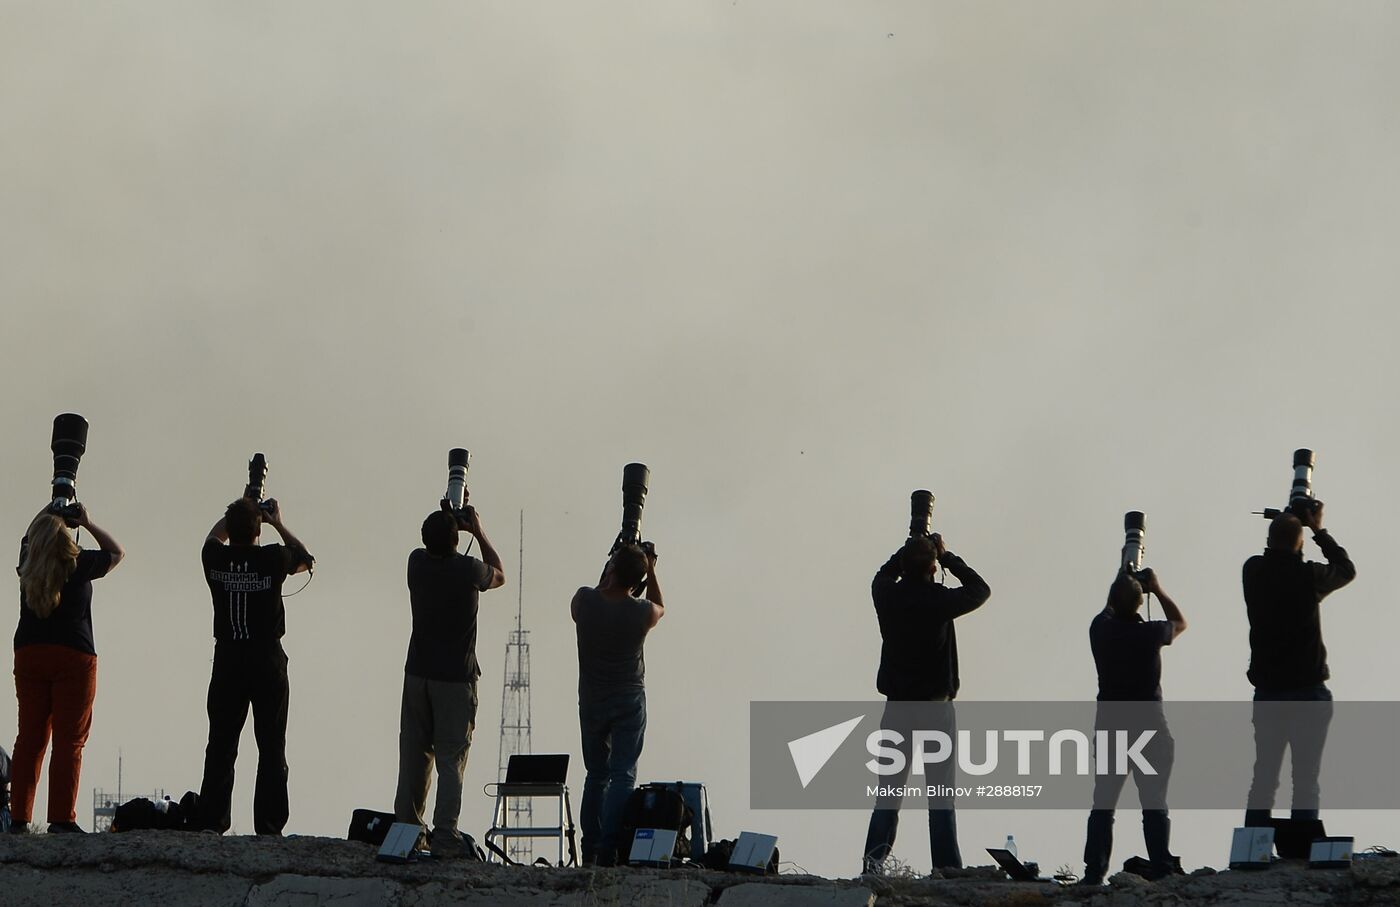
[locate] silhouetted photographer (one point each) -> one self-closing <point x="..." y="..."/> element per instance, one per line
<point x="438" y="711"/>
<point x="250" y="667"/>
<point x="1128" y="659"/>
<point x="1288" y="662"/>
<point x="919" y="663"/>
<point x="612" y="625"/>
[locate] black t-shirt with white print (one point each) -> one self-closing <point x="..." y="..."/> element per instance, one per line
<point x="245" y="582"/>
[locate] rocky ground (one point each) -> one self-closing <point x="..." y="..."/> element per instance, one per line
<point x="176" y="868"/>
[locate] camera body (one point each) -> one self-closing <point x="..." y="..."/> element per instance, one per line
<point x="68" y="443"/>
<point x="1301" y="502"/>
<point x="1135" y="546"/>
<point x="257" y="482"/>
<point x="921" y="514"/>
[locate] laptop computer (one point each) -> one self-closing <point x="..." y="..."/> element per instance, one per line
<point x="537" y="768"/>
<point x="652" y="847"/>
<point x="752" y="852"/>
<point x="402" y="844"/>
<point x="1012" y="866"/>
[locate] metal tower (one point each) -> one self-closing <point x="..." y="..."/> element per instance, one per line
<point x="105" y="803"/>
<point x="515" y="711"/>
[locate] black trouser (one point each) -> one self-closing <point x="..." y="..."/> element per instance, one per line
<point x="247" y="672"/>
<point x="1133" y="719"/>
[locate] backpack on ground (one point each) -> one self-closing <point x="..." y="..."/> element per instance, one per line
<point x="141" y="813"/>
<point x="656" y="806"/>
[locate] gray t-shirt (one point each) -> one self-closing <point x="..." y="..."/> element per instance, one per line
<point x="610" y="637"/>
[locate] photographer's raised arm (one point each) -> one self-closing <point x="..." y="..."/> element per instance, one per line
<point x="273" y="517"/>
<point x="653" y="591"/>
<point x="889" y="571"/>
<point x="488" y="551"/>
<point x="103" y="538"/>
<point x="1169" y="608"/>
<point x="1339" y="570"/>
<point x="973" y="592"/>
<point x="219" y="533"/>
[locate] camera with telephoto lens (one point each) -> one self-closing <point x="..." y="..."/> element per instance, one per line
<point x="921" y="514"/>
<point x="456" y="496"/>
<point x="1135" y="546"/>
<point x="1301" y="502"/>
<point x="68" y="444"/>
<point x="257" y="482"/>
<point x="635" y="477"/>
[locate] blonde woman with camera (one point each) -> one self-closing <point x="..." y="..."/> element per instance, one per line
<point x="55" y="662"/>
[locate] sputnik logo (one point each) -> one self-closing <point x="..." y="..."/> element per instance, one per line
<point x="811" y="753"/>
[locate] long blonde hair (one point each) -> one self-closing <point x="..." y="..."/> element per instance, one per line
<point x="50" y="557"/>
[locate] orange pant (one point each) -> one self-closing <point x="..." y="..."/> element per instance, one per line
<point x="55" y="686"/>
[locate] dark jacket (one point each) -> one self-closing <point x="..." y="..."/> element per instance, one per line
<point x="1281" y="594"/>
<point x="919" y="652"/>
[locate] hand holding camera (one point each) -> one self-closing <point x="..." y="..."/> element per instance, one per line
<point x="939" y="548"/>
<point x="1311" y="516"/>
<point x="272" y="511"/>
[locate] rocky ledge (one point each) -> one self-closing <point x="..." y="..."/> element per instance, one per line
<point x="156" y="867"/>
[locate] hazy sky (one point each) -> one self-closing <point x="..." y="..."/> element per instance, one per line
<point x="1053" y="261"/>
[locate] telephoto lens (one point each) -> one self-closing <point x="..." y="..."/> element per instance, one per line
<point x="1300" y="495"/>
<point x="921" y="514"/>
<point x="68" y="444"/>
<point x="457" y="459"/>
<point x="635" y="478"/>
<point x="1134" y="542"/>
<point x="257" y="478"/>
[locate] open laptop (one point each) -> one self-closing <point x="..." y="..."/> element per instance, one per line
<point x="537" y="768"/>
<point x="1012" y="866"/>
<point x="652" y="847"/>
<point x="752" y="852"/>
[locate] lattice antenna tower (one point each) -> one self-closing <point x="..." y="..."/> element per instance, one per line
<point x="515" y="711"/>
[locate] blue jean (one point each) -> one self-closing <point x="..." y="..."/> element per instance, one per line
<point x="1300" y="729"/>
<point x="613" y="728"/>
<point x="942" y="821"/>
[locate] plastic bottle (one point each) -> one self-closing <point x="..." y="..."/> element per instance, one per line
<point x="1011" y="846"/>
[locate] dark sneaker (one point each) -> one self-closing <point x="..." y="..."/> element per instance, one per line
<point x="65" y="828"/>
<point x="20" y="828"/>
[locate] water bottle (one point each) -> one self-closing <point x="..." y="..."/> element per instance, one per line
<point x="1011" y="847"/>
